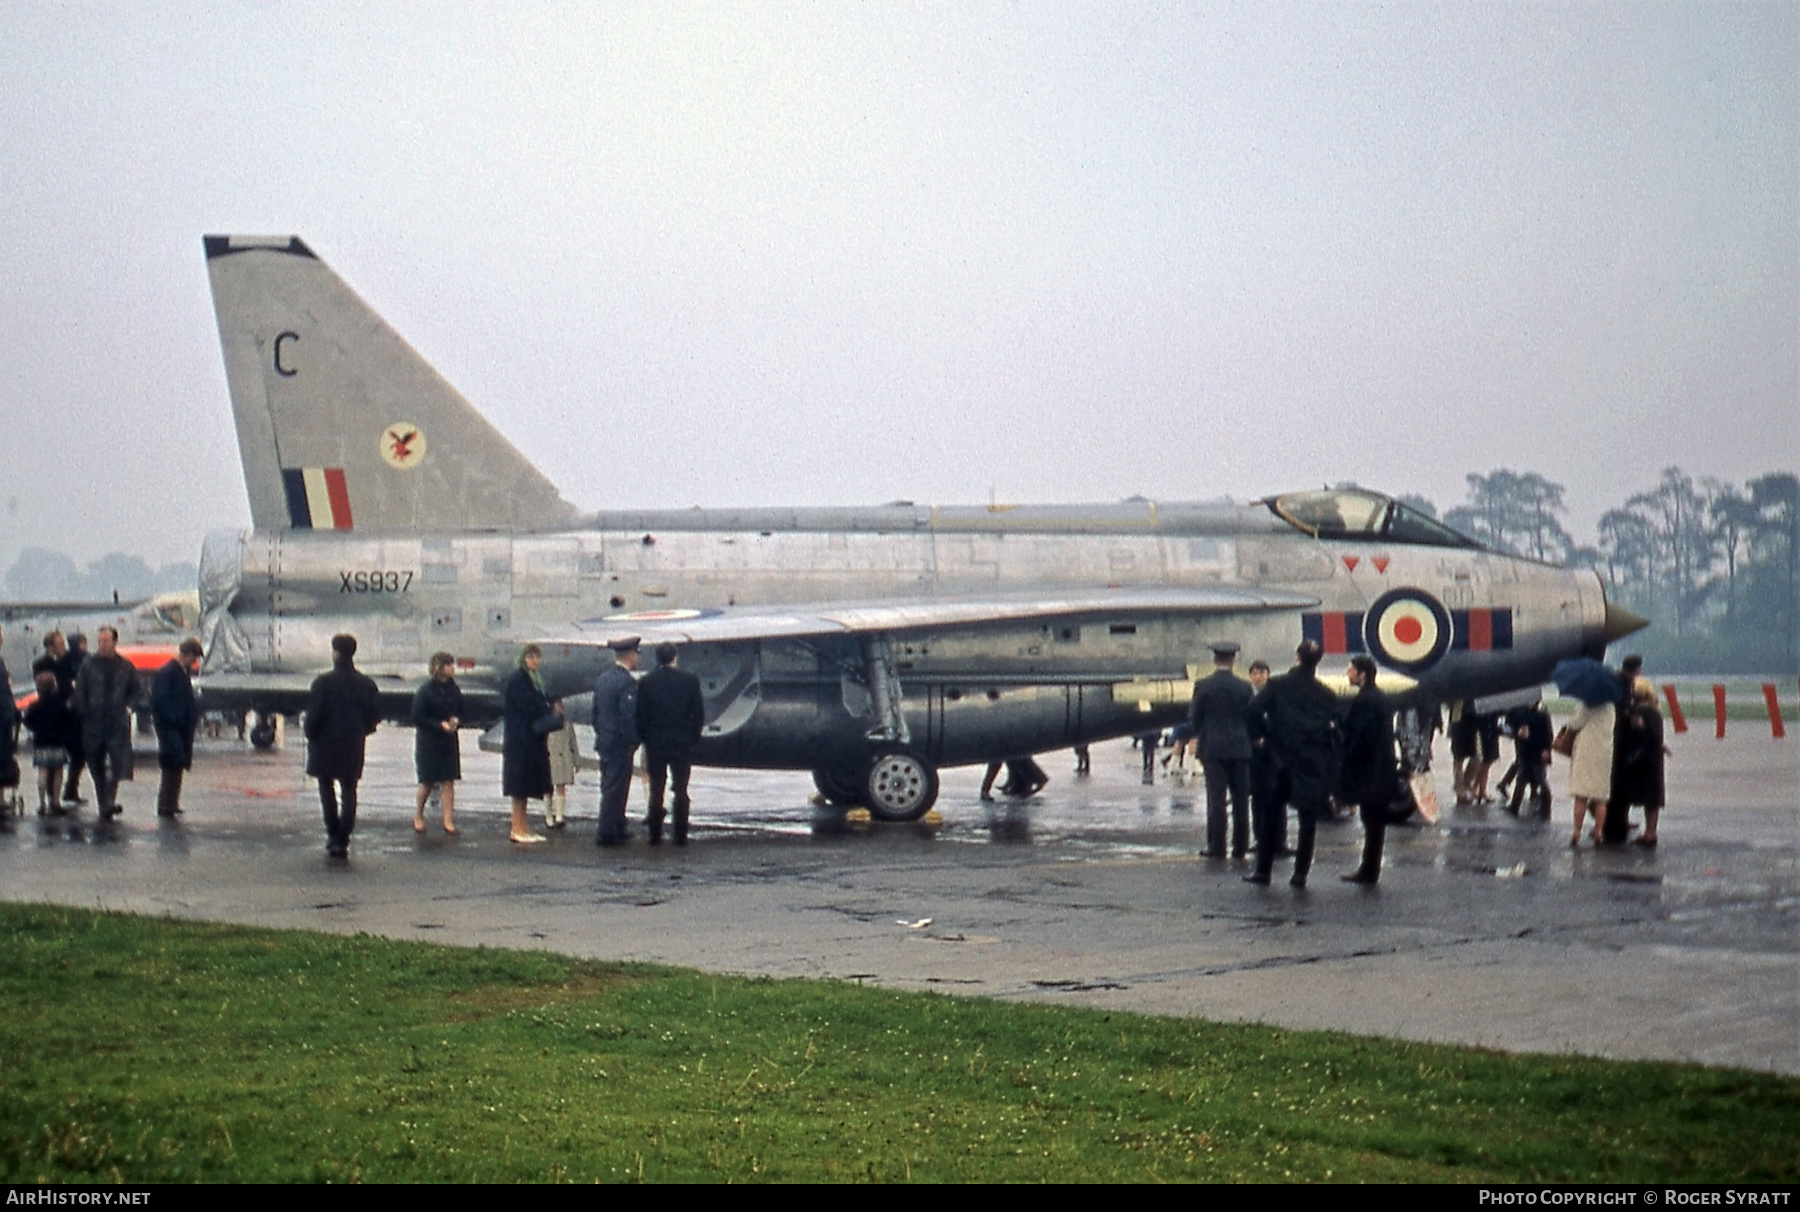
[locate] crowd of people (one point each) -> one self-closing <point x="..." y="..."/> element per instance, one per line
<point x="1275" y="743"/>
<point x="663" y="712"/>
<point x="1614" y="745"/>
<point x="80" y="719"/>
<point x="1617" y="755"/>
<point x="1266" y="745"/>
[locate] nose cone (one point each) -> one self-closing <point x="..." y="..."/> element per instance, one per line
<point x="1621" y="622"/>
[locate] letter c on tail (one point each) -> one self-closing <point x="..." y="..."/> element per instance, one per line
<point x="286" y="371"/>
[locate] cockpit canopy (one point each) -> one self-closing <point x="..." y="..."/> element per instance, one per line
<point x="1356" y="513"/>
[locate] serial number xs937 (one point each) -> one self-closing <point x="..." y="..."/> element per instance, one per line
<point x="375" y="580"/>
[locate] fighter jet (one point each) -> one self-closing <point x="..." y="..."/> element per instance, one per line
<point x="872" y="646"/>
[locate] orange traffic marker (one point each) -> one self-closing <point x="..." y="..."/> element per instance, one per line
<point x="1774" y="702"/>
<point x="1675" y="709"/>
<point x="1719" y="709"/>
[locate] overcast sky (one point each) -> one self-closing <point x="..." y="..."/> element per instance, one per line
<point x="751" y="254"/>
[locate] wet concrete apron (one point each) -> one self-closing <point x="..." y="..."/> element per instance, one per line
<point x="1091" y="894"/>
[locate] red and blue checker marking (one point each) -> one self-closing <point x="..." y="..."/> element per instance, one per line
<point x="1481" y="630"/>
<point x="1337" y="632"/>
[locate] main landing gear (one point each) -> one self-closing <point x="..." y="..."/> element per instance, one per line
<point x="262" y="732"/>
<point x="900" y="786"/>
<point x="896" y="784"/>
<point x="893" y="781"/>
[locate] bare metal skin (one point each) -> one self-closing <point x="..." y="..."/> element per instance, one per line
<point x="872" y="646"/>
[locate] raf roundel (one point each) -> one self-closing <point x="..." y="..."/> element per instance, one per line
<point x="674" y="615"/>
<point x="1407" y="629"/>
<point x="403" y="445"/>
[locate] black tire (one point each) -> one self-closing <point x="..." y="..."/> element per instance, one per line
<point x="839" y="787"/>
<point x="262" y="733"/>
<point x="900" y="786"/>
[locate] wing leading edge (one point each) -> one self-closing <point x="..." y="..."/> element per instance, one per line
<point x="914" y="617"/>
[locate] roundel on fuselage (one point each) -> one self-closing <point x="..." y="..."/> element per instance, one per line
<point x="1407" y="629"/>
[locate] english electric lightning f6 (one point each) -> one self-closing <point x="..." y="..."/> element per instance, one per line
<point x="869" y="645"/>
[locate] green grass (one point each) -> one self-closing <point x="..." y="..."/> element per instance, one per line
<point x="138" y="1049"/>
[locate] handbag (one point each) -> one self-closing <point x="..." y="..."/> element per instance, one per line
<point x="1564" y="742"/>
<point x="1424" y="795"/>
<point x="547" y="723"/>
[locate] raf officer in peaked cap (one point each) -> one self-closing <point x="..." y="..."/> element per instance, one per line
<point x="616" y="737"/>
<point x="1217" y="714"/>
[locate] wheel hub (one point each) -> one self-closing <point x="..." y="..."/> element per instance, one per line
<point x="899" y="785"/>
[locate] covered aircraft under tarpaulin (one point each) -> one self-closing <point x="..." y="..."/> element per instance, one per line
<point x="150" y="629"/>
<point x="870" y="646"/>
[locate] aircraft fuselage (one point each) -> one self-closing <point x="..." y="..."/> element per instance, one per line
<point x="968" y="695"/>
<point x="870" y="645"/>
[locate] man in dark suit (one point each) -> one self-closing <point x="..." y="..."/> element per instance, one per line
<point x="342" y="710"/>
<point x="1299" y="716"/>
<point x="1268" y="781"/>
<point x="616" y="738"/>
<point x="177" y="716"/>
<point x="107" y="691"/>
<point x="670" y="716"/>
<point x="1369" y="778"/>
<point x="1217" y="714"/>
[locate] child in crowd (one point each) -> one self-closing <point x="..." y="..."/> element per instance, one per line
<point x="51" y="724"/>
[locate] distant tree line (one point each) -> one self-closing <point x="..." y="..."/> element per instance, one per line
<point x="41" y="575"/>
<point x="1714" y="566"/>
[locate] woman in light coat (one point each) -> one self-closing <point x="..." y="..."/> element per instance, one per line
<point x="562" y="772"/>
<point x="1590" y="773"/>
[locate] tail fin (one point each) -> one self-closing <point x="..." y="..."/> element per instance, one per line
<point x="341" y="424"/>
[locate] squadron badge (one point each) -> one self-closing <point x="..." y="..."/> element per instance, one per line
<point x="403" y="445"/>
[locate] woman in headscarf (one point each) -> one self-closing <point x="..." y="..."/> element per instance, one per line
<point x="1638" y="775"/>
<point x="525" y="751"/>
<point x="437" y="757"/>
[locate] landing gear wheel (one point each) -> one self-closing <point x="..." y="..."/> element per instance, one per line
<point x="900" y="786"/>
<point x="839" y="787"/>
<point x="262" y="733"/>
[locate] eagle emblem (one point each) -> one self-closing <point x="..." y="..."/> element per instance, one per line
<point x="403" y="445"/>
